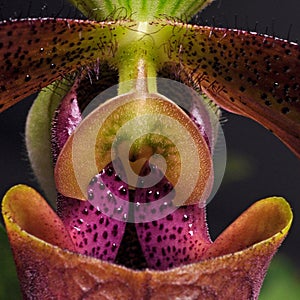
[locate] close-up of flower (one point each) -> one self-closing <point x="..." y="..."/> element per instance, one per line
<point x="125" y="139"/>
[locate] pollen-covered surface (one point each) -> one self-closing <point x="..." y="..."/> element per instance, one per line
<point x="181" y="237"/>
<point x="246" y="73"/>
<point x="35" y="52"/>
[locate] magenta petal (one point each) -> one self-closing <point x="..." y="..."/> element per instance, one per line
<point x="96" y="233"/>
<point x="179" y="238"/>
<point x="93" y="233"/>
<point x="66" y="119"/>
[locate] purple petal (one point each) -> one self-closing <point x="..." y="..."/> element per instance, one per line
<point x="179" y="238"/>
<point x="93" y="233"/>
<point x="65" y="121"/>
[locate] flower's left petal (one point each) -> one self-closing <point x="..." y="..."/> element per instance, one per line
<point x="22" y="206"/>
<point x="36" y="52"/>
<point x="92" y="226"/>
<point x="253" y="75"/>
<point x="93" y="232"/>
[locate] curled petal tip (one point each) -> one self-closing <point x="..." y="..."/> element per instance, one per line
<point x="24" y="210"/>
<point x="265" y="223"/>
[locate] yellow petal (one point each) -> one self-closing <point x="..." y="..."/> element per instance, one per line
<point x="265" y="222"/>
<point x="26" y="213"/>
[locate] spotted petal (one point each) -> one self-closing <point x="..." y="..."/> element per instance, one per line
<point x="36" y="52"/>
<point x="47" y="270"/>
<point x="179" y="237"/>
<point x="92" y="232"/>
<point x="246" y="73"/>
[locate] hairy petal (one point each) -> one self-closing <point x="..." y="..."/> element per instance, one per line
<point x="47" y="271"/>
<point x="65" y="120"/>
<point x="36" y="52"/>
<point x="246" y="73"/>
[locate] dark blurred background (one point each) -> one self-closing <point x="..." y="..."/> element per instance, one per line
<point x="258" y="165"/>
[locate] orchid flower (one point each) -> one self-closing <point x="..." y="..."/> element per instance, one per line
<point x="115" y="234"/>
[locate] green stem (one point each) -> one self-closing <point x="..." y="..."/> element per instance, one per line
<point x="139" y="10"/>
<point x="137" y="61"/>
<point x="139" y="76"/>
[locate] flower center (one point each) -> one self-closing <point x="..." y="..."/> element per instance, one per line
<point x="153" y="162"/>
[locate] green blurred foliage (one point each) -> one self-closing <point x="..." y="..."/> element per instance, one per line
<point x="240" y="167"/>
<point x="9" y="286"/>
<point x="282" y="281"/>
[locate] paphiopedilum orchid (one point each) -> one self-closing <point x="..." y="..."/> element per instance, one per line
<point x="117" y="245"/>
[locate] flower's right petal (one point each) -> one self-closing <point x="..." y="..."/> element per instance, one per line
<point x="180" y="236"/>
<point x="253" y="75"/>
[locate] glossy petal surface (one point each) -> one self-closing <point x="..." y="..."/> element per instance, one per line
<point x="93" y="231"/>
<point x="47" y="271"/>
<point x="180" y="237"/>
